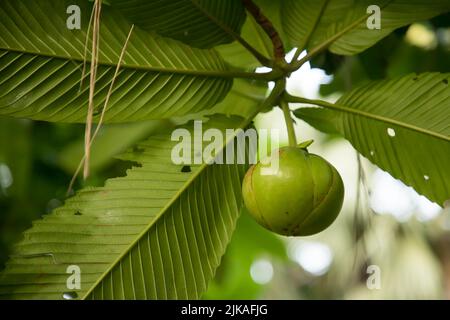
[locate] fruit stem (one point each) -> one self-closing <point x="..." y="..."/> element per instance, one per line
<point x="289" y="123"/>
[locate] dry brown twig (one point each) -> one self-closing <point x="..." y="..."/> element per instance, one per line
<point x="83" y="71"/>
<point x="93" y="75"/>
<point x="88" y="142"/>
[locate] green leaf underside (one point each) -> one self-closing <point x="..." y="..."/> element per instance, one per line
<point x="236" y="55"/>
<point x="158" y="233"/>
<point x="310" y="23"/>
<point x="244" y="98"/>
<point x="41" y="67"/>
<point x="403" y="127"/>
<point x="186" y="20"/>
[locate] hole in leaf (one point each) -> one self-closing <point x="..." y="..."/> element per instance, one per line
<point x="372" y="152"/>
<point x="77" y="213"/>
<point x="415" y="78"/>
<point x="186" y="169"/>
<point x="391" y="132"/>
<point x="426" y="177"/>
<point x="70" y="295"/>
<point x="445" y="81"/>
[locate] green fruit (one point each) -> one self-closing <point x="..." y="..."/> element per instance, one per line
<point x="303" y="197"/>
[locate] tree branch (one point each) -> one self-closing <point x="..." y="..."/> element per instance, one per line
<point x="269" y="29"/>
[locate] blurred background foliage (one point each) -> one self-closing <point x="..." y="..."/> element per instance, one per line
<point x="383" y="222"/>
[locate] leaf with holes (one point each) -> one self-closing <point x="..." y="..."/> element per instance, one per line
<point x="344" y="23"/>
<point x="41" y="66"/>
<point x="157" y="233"/>
<point x="402" y="125"/>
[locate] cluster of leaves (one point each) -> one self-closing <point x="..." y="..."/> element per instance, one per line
<point x="161" y="230"/>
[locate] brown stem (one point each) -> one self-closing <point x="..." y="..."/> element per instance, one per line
<point x="264" y="22"/>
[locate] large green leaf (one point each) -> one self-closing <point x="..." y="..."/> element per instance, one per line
<point x="402" y="125"/>
<point x="41" y="63"/>
<point x="195" y="22"/>
<point x="310" y="23"/>
<point x="158" y="233"/>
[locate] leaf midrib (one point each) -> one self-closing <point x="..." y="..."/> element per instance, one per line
<point x="342" y="108"/>
<point x="194" y="72"/>
<point x="330" y="41"/>
<point x="316" y="23"/>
